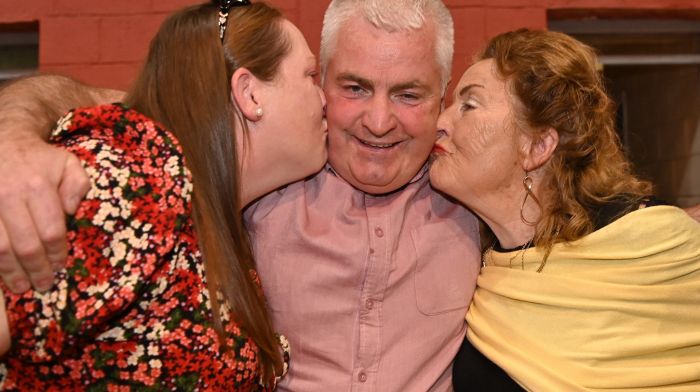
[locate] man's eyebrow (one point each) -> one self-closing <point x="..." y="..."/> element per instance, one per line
<point x="466" y="89"/>
<point x="414" y="84"/>
<point x="348" y="77"/>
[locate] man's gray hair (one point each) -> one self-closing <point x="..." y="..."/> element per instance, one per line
<point x="390" y="16"/>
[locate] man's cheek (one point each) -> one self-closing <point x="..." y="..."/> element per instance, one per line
<point x="343" y="113"/>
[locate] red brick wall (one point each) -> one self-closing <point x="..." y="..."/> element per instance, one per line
<point x="103" y="42"/>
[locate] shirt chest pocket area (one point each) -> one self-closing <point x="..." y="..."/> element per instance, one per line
<point x="445" y="269"/>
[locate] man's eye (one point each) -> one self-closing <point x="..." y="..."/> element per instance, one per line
<point x="408" y="98"/>
<point x="355" y="89"/>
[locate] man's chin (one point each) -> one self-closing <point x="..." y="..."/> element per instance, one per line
<point x="377" y="187"/>
<point x="372" y="179"/>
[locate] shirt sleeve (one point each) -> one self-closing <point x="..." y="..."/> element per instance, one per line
<point x="119" y="239"/>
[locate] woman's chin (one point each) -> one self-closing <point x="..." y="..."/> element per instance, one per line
<point x="319" y="163"/>
<point x="436" y="179"/>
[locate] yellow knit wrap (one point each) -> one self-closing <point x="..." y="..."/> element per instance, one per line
<point x="618" y="310"/>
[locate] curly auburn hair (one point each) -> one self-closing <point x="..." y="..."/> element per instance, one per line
<point x="557" y="82"/>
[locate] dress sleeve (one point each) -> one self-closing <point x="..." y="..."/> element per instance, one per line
<point x="121" y="237"/>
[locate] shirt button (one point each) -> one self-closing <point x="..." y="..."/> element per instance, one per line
<point x="362" y="377"/>
<point x="371" y="251"/>
<point x="369" y="304"/>
<point x="379" y="232"/>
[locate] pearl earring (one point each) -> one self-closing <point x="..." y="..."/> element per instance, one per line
<point x="259" y="112"/>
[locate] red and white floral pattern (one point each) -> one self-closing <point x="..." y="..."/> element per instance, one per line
<point x="131" y="310"/>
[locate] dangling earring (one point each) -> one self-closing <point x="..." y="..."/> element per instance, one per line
<point x="527" y="184"/>
<point x="259" y="112"/>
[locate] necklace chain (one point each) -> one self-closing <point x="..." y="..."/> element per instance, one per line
<point x="520" y="252"/>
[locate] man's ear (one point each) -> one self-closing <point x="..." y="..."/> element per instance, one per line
<point x="539" y="149"/>
<point x="245" y="92"/>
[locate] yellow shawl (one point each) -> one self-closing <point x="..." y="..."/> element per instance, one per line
<point x="618" y="310"/>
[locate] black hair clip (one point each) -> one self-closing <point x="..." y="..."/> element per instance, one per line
<point x="224" y="7"/>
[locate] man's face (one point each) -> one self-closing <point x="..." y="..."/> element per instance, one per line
<point x="383" y="91"/>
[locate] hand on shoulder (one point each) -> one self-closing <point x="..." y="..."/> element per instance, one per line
<point x="40" y="184"/>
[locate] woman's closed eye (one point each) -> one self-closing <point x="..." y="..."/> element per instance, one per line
<point x="467" y="105"/>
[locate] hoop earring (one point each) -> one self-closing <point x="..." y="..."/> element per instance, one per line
<point x="527" y="184"/>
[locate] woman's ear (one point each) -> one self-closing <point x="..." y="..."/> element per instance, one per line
<point x="540" y="148"/>
<point x="245" y="92"/>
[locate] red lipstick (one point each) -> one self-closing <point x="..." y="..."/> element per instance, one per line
<point x="438" y="149"/>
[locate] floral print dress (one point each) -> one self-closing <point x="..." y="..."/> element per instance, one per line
<point x="131" y="309"/>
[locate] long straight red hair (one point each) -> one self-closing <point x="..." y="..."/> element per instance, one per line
<point x="185" y="85"/>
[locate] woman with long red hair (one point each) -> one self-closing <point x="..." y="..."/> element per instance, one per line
<point x="159" y="290"/>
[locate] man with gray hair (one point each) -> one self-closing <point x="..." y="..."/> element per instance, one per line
<point x="366" y="269"/>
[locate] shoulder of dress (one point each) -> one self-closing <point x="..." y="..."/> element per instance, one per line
<point x="115" y="124"/>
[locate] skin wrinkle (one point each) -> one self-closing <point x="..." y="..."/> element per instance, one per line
<point x="485" y="166"/>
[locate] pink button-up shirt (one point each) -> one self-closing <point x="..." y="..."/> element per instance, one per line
<point x="370" y="291"/>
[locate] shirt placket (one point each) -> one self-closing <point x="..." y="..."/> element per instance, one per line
<point x="372" y="295"/>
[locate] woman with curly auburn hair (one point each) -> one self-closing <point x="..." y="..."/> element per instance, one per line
<point x="589" y="282"/>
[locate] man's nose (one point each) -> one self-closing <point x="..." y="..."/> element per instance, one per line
<point x="379" y="118"/>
